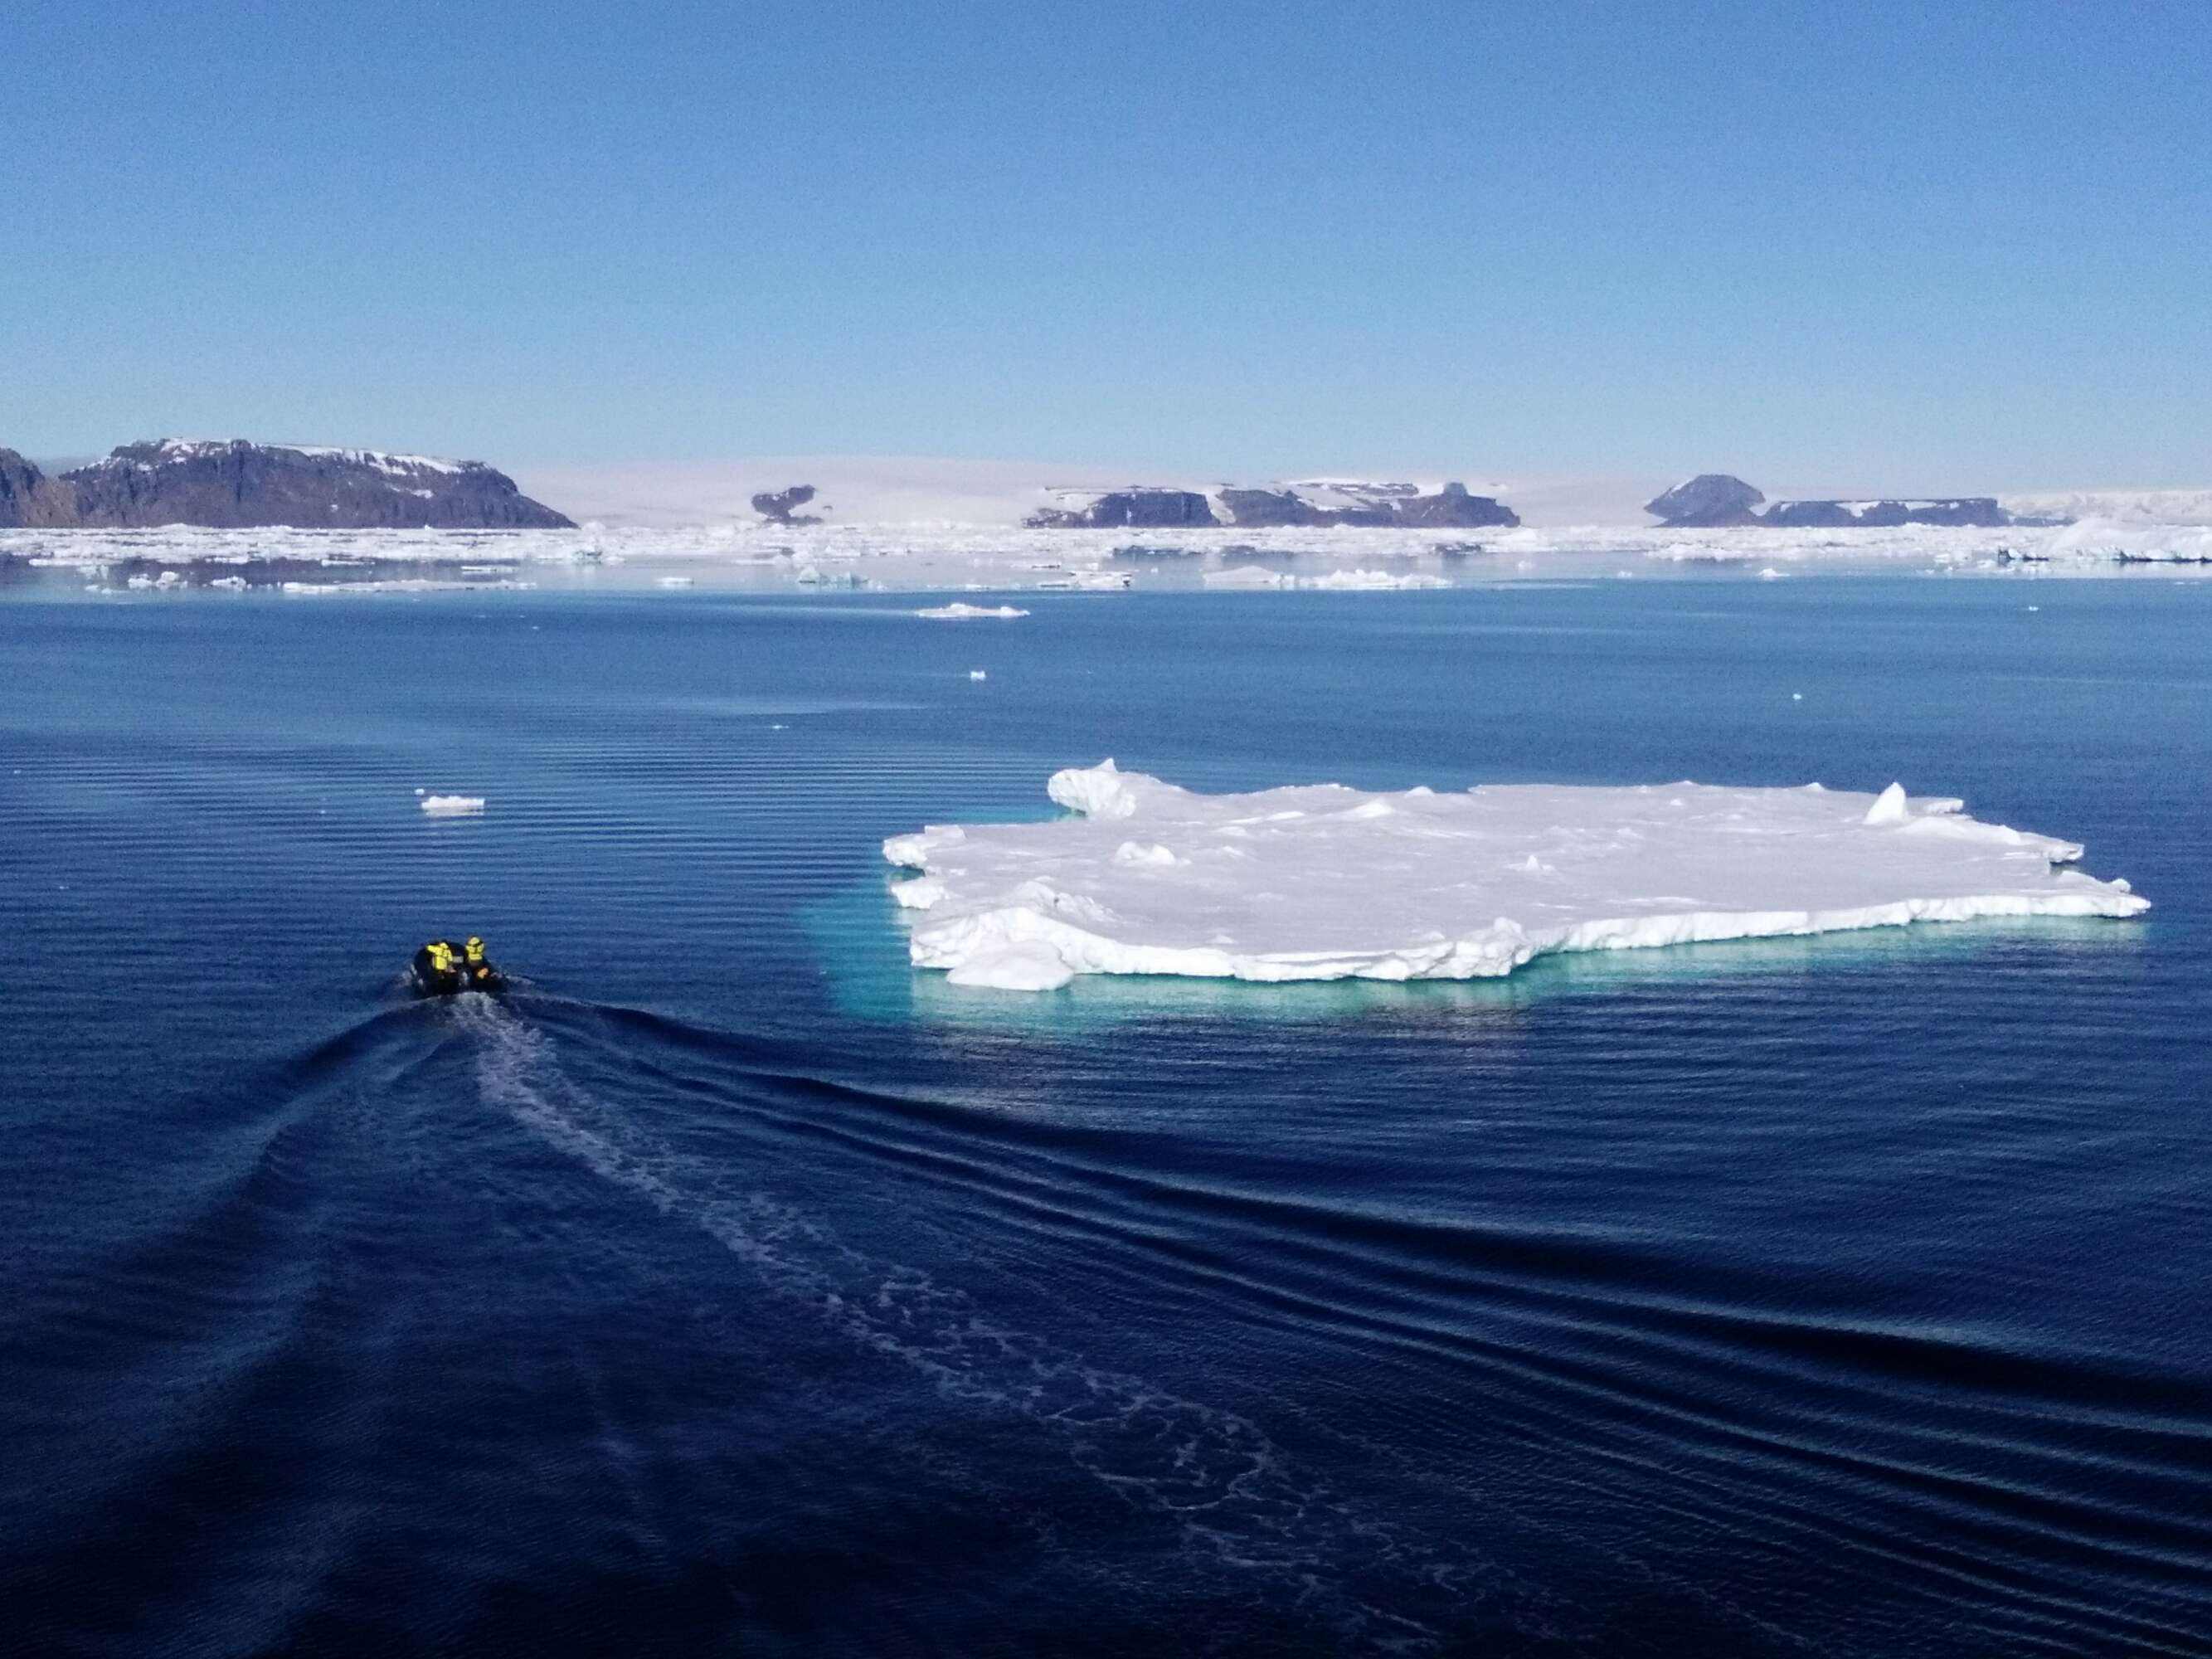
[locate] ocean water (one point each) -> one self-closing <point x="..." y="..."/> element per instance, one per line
<point x="732" y="1289"/>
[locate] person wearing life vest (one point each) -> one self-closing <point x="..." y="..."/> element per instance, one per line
<point x="437" y="966"/>
<point x="475" y="964"/>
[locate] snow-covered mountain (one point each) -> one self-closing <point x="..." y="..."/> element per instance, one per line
<point x="230" y="483"/>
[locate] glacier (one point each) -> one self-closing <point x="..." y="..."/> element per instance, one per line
<point x="1322" y="881"/>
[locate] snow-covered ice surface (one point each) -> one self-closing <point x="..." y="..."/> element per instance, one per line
<point x="1326" y="882"/>
<point x="2151" y="507"/>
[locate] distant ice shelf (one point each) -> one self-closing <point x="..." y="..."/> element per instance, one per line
<point x="1324" y="882"/>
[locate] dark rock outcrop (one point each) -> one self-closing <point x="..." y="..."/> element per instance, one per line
<point x="241" y="485"/>
<point x="1712" y="500"/>
<point x="1979" y="511"/>
<point x="1271" y="508"/>
<point x="1453" y="508"/>
<point x="780" y="506"/>
<point x="1279" y="507"/>
<point x="29" y="499"/>
<point x="1372" y="506"/>
<point x="1137" y="508"/>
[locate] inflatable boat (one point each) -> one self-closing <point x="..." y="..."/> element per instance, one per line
<point x="443" y="968"/>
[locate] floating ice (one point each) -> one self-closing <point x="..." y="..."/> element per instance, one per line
<point x="958" y="612"/>
<point x="1356" y="580"/>
<point x="1372" y="581"/>
<point x="1248" y="577"/>
<point x="452" y="806"/>
<point x="2166" y="531"/>
<point x="1326" y="882"/>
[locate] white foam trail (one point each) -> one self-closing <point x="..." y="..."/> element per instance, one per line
<point x="1215" y="1473"/>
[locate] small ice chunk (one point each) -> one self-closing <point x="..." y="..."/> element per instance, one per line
<point x="452" y="806"/>
<point x="961" y="612"/>
<point x="1096" y="791"/>
<point x="1152" y="855"/>
<point x="919" y="894"/>
<point x="978" y="674"/>
<point x="1246" y="576"/>
<point x="1889" y="806"/>
<point x="1372" y="581"/>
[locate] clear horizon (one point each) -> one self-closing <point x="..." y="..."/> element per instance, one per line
<point x="1861" y="248"/>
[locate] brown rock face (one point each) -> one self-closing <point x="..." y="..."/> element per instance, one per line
<point x="29" y="499"/>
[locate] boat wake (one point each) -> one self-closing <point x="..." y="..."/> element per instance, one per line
<point x="1215" y="1474"/>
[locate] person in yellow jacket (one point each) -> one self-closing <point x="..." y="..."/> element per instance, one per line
<point x="437" y="968"/>
<point x="442" y="967"/>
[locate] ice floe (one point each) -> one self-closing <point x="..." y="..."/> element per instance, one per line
<point x="1326" y="882"/>
<point x="960" y="611"/>
<point x="452" y="806"/>
<point x="1258" y="579"/>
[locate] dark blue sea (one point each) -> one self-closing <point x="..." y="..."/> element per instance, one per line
<point x="730" y="1289"/>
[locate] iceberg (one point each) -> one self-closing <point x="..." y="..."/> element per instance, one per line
<point x="1372" y="581"/>
<point x="452" y="806"/>
<point x="1321" y="881"/>
<point x="1250" y="578"/>
<point x="961" y="612"/>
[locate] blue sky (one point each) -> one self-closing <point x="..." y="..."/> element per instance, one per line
<point x="1905" y="247"/>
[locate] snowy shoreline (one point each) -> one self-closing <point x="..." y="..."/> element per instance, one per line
<point x="1324" y="882"/>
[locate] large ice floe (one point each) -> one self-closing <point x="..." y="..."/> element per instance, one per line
<point x="1326" y="882"/>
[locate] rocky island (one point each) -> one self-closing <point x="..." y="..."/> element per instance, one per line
<point x="781" y="506"/>
<point x="1717" y="501"/>
<point x="1319" y="504"/>
<point x="235" y="485"/>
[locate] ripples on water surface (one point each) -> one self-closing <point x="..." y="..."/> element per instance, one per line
<point x="730" y="1289"/>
